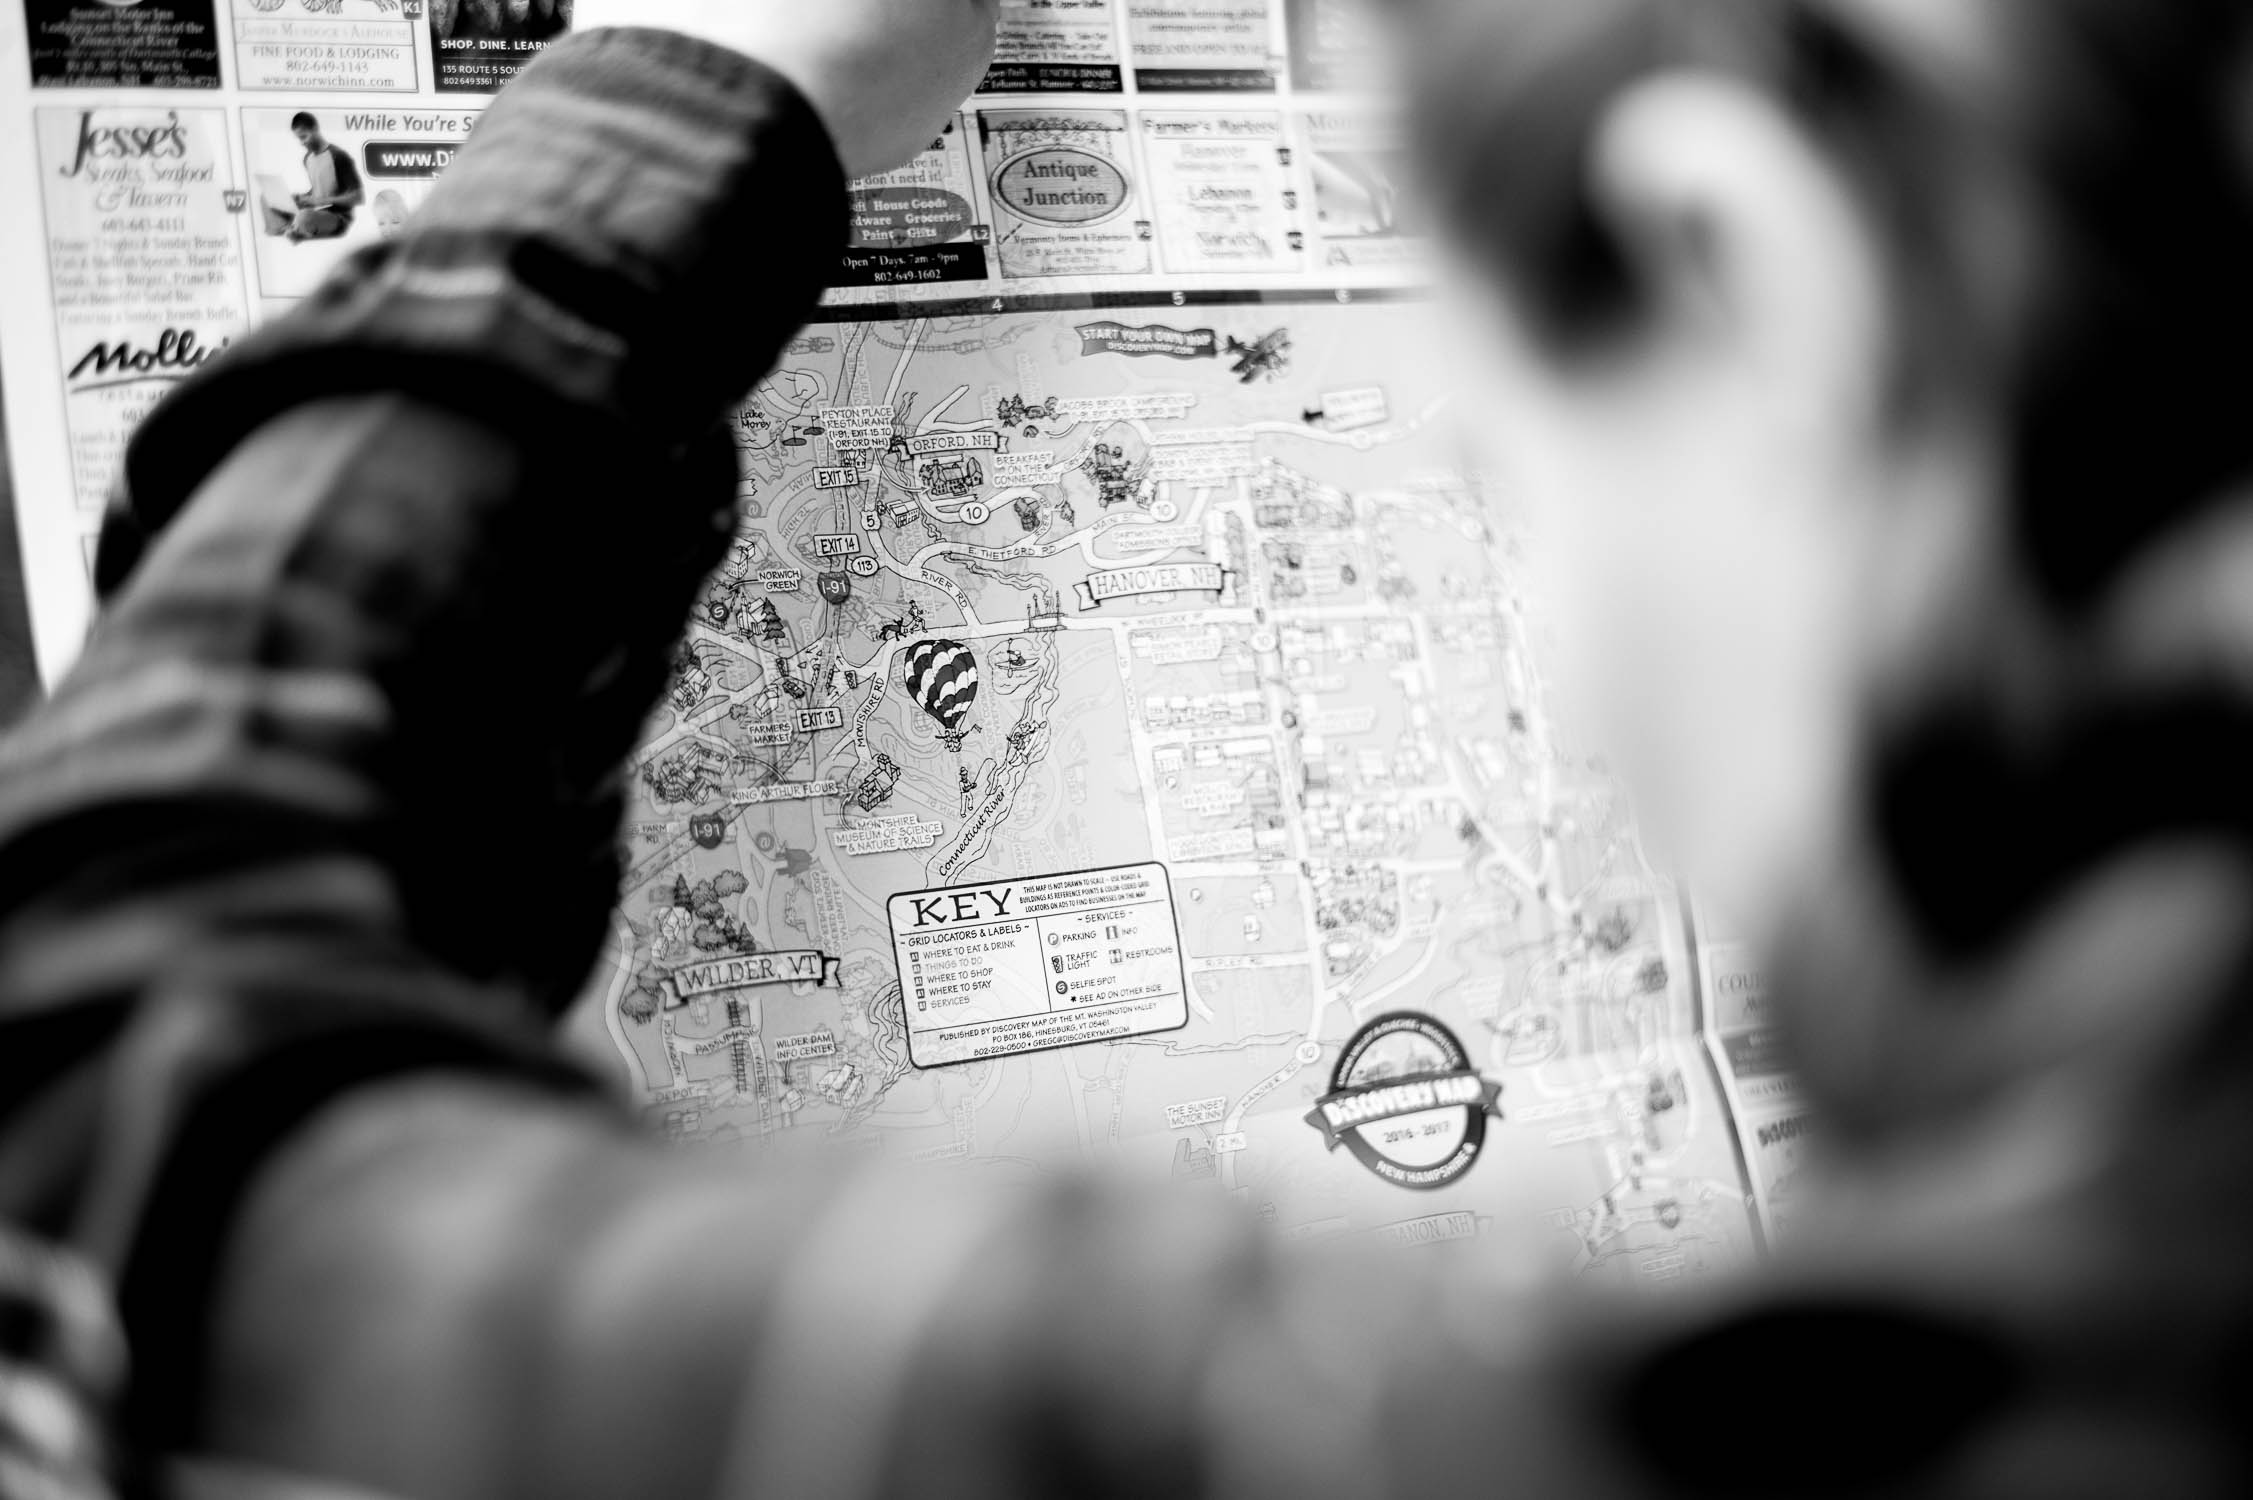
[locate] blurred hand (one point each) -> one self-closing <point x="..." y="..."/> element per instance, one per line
<point x="882" y="74"/>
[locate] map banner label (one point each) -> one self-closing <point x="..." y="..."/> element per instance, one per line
<point x="952" y="442"/>
<point x="1432" y="1229"/>
<point x="1010" y="966"/>
<point x="796" y="966"/>
<point x="785" y="791"/>
<point x="1170" y="578"/>
<point x="1138" y="340"/>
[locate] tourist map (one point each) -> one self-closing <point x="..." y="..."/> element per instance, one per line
<point x="1120" y="741"/>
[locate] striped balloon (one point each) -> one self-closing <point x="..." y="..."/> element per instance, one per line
<point x="942" y="676"/>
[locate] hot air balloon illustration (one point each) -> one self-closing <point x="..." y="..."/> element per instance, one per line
<point x="942" y="677"/>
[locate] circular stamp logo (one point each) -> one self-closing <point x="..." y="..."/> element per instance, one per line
<point x="1407" y="1103"/>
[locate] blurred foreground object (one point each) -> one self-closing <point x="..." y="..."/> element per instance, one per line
<point x="1875" y="361"/>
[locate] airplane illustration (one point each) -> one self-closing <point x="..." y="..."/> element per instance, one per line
<point x="1269" y="357"/>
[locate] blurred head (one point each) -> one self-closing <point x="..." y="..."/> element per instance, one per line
<point x="308" y="132"/>
<point x="390" y="212"/>
<point x="1848" y="349"/>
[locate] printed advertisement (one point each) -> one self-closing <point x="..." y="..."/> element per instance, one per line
<point x="1356" y="163"/>
<point x="327" y="180"/>
<point x="1220" y="192"/>
<point x="1334" y="46"/>
<point x="1195" y="46"/>
<point x="123" y="44"/>
<point x="1064" y="195"/>
<point x="366" y="45"/>
<point x="917" y="225"/>
<point x="1055" y="47"/>
<point x="147" y="274"/>
<point x="479" y="45"/>
<point x="1771" y="1117"/>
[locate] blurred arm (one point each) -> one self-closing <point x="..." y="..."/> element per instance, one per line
<point x="331" y="797"/>
<point x="553" y="1310"/>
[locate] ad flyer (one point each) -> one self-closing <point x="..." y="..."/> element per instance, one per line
<point x="325" y="180"/>
<point x="1064" y="193"/>
<point x="1221" y="193"/>
<point x="1750" y="1058"/>
<point x="477" y="46"/>
<point x="340" y="45"/>
<point x="1198" y="46"/>
<point x="143" y="260"/>
<point x="918" y="224"/>
<point x="123" y="44"/>
<point x="1334" y="46"/>
<point x="1356" y="163"/>
<point x="1055" y="47"/>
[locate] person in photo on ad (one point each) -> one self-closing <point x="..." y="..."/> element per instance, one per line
<point x="390" y="213"/>
<point x="501" y="20"/>
<point x="333" y="187"/>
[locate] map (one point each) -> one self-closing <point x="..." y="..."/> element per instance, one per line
<point x="1118" y="737"/>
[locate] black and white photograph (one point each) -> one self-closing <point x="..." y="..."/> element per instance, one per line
<point x="1051" y="749"/>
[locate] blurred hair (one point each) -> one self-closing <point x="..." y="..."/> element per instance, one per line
<point x="2064" y="186"/>
<point x="303" y="121"/>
